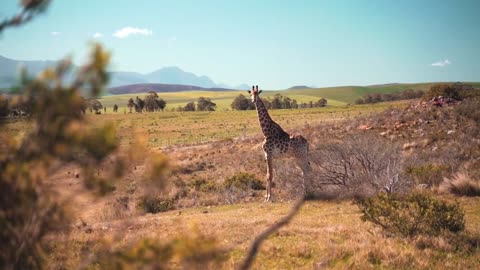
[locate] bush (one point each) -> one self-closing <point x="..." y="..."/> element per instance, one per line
<point x="242" y="103"/>
<point x="412" y="214"/>
<point x="360" y="166"/>
<point x="200" y="184"/>
<point x="154" y="205"/>
<point x="429" y="174"/>
<point x="470" y="109"/>
<point x="461" y="185"/>
<point x="243" y="181"/>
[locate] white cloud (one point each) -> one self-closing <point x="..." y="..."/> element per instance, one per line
<point x="441" y="63"/>
<point x="97" y="35"/>
<point x="127" y="31"/>
<point x="54" y="33"/>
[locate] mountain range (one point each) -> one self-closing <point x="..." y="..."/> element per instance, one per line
<point x="9" y="72"/>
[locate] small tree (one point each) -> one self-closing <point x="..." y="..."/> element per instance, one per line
<point x="96" y="106"/>
<point x="242" y="103"/>
<point x="131" y="104"/>
<point x="141" y="104"/>
<point x="322" y="102"/>
<point x="161" y="104"/>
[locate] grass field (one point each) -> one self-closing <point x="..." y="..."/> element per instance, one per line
<point x="223" y="99"/>
<point x="216" y="145"/>
<point x="162" y="129"/>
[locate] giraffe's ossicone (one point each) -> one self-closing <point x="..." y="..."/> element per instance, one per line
<point x="279" y="143"/>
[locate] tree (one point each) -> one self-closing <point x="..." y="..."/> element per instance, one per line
<point x="276" y="102"/>
<point x="294" y="104"/>
<point x="242" y="103"/>
<point x="205" y="104"/>
<point x="4" y="108"/>
<point x="161" y="104"/>
<point x="141" y="104"/>
<point x="321" y="102"/>
<point x="131" y="105"/>
<point x="153" y="102"/>
<point x="115" y="108"/>
<point x="96" y="106"/>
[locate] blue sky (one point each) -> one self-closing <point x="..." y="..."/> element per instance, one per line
<point x="276" y="44"/>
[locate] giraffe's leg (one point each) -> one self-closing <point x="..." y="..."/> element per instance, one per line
<point x="269" y="196"/>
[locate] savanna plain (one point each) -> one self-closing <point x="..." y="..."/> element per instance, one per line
<point x="213" y="185"/>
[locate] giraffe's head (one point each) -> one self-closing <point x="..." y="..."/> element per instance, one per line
<point x="254" y="93"/>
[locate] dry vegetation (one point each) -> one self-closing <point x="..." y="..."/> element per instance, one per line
<point x="206" y="211"/>
<point x="215" y="188"/>
<point x="76" y="194"/>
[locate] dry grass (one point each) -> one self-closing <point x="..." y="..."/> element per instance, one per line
<point x="326" y="234"/>
<point x="322" y="235"/>
<point x="461" y="184"/>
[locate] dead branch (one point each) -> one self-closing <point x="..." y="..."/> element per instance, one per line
<point x="247" y="263"/>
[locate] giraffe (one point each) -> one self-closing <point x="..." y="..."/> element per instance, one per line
<point x="278" y="143"/>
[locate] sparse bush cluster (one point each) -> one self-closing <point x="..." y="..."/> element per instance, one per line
<point x="277" y="102"/>
<point x="243" y="181"/>
<point x="383" y="97"/>
<point x="203" y="104"/>
<point x="153" y="204"/>
<point x="412" y="214"/>
<point x="457" y="91"/>
<point x="151" y="103"/>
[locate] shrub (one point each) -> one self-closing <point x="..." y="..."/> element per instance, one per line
<point x="192" y="251"/>
<point x="470" y="109"/>
<point x="360" y="166"/>
<point x="429" y="174"/>
<point x="412" y="214"/>
<point x="151" y="204"/>
<point x="461" y="185"/>
<point x="200" y="184"/>
<point x="243" y="181"/>
<point x="242" y="103"/>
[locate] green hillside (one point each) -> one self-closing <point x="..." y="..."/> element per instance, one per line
<point x="348" y="94"/>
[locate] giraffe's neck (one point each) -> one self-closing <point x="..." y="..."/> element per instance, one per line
<point x="267" y="125"/>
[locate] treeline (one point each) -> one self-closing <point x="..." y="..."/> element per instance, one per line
<point x="277" y="102"/>
<point x="457" y="91"/>
<point x="203" y="104"/>
<point x="382" y="97"/>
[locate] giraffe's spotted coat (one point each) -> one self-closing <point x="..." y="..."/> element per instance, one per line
<point x="279" y="143"/>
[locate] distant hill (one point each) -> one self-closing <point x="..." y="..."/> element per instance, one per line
<point x="299" y="87"/>
<point x="348" y="94"/>
<point x="158" y="87"/>
<point x="9" y="72"/>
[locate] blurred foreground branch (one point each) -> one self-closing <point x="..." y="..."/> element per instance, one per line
<point x="30" y="8"/>
<point x="247" y="263"/>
